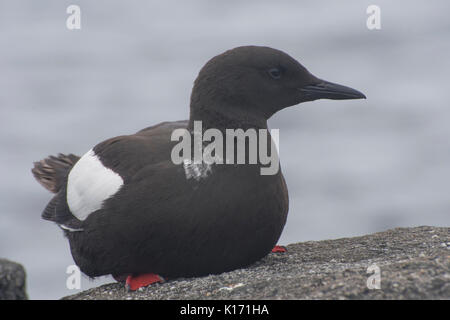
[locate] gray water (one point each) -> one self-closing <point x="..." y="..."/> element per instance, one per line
<point x="352" y="167"/>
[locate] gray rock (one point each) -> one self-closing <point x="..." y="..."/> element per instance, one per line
<point x="12" y="281"/>
<point x="414" y="264"/>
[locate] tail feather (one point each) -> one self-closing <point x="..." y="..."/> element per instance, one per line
<point x="52" y="172"/>
<point x="49" y="212"/>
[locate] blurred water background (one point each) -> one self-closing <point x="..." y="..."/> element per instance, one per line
<point x="352" y="167"/>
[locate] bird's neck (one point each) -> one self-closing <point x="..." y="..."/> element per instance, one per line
<point x="230" y="118"/>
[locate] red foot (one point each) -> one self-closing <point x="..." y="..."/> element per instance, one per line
<point x="135" y="282"/>
<point x="277" y="249"/>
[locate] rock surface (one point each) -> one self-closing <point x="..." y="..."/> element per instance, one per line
<point x="414" y="263"/>
<point x="12" y="281"/>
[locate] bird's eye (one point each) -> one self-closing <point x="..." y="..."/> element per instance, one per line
<point x="275" y="73"/>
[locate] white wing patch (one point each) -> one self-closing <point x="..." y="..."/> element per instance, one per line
<point x="89" y="184"/>
<point x="196" y="171"/>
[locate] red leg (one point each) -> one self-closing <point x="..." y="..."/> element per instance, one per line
<point x="278" y="249"/>
<point x="135" y="282"/>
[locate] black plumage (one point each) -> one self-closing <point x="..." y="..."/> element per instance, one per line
<point x="162" y="222"/>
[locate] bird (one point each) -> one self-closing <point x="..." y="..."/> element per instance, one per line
<point x="129" y="211"/>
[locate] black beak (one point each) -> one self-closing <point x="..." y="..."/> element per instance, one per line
<point x="329" y="90"/>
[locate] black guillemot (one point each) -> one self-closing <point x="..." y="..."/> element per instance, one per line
<point x="128" y="210"/>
